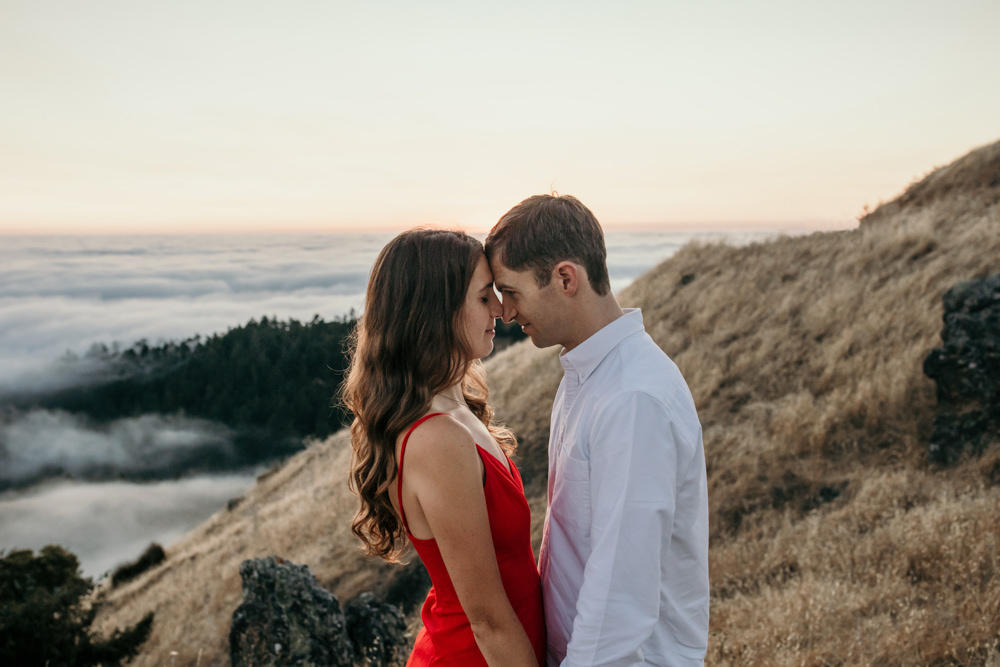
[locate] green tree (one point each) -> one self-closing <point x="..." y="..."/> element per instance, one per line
<point x="45" y="615"/>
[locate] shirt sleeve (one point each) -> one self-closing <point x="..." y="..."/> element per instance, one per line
<point x="634" y="461"/>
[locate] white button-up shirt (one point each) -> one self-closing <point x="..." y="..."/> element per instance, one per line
<point x="624" y="556"/>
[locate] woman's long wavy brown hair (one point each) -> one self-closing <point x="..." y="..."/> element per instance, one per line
<point x="405" y="348"/>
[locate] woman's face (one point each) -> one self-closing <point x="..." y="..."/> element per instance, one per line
<point x="477" y="319"/>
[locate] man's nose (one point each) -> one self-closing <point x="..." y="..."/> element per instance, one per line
<point x="509" y="312"/>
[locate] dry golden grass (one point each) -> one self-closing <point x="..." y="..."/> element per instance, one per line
<point x="833" y="541"/>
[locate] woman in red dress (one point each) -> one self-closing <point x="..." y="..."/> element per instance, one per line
<point x="430" y="465"/>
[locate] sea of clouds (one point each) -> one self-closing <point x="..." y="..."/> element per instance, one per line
<point x="37" y="444"/>
<point x="64" y="294"/>
<point x="108" y="523"/>
<point x="59" y="296"/>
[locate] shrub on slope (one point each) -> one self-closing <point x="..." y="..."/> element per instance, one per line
<point x="45" y="616"/>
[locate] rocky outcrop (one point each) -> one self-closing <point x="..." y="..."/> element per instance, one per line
<point x="288" y="619"/>
<point x="967" y="371"/>
<point x="377" y="630"/>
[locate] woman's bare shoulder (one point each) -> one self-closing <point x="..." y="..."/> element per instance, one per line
<point x="439" y="440"/>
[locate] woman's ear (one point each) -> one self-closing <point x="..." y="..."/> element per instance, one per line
<point x="566" y="274"/>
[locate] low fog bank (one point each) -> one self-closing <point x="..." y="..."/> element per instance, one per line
<point x="22" y="379"/>
<point x="65" y="294"/>
<point x="43" y="443"/>
<point x="111" y="523"/>
<point x="44" y="340"/>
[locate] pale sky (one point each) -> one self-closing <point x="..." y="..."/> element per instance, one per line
<point x="203" y="115"/>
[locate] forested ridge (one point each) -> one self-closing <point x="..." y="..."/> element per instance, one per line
<point x="270" y="375"/>
<point x="274" y="382"/>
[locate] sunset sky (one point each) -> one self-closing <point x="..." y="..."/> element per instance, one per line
<point x="190" y="116"/>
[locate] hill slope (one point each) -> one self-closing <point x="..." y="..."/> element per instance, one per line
<point x="833" y="540"/>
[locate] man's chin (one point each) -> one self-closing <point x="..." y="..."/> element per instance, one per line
<point x="540" y="343"/>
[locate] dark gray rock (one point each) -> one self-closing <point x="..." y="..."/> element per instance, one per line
<point x="287" y="619"/>
<point x="409" y="586"/>
<point x="377" y="630"/>
<point x="967" y="371"/>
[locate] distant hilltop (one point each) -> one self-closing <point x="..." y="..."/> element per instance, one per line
<point x="973" y="179"/>
<point x="834" y="539"/>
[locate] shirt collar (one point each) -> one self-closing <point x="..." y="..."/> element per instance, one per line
<point x="588" y="355"/>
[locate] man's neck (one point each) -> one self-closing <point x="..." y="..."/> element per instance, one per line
<point x="592" y="316"/>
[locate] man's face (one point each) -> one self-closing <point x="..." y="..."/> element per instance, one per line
<point x="535" y="308"/>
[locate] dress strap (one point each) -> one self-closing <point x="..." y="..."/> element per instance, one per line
<point x="399" y="478"/>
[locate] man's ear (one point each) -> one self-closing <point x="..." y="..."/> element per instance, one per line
<point x="566" y="275"/>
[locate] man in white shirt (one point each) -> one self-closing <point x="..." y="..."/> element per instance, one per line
<point x="624" y="556"/>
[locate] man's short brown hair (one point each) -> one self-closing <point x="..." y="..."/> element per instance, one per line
<point x="544" y="230"/>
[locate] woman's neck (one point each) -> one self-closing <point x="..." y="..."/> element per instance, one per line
<point x="449" y="398"/>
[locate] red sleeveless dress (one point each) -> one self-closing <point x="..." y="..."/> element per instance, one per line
<point x="446" y="638"/>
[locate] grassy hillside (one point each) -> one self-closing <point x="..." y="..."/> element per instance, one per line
<point x="833" y="541"/>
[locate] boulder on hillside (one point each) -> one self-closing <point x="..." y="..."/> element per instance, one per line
<point x="286" y="619"/>
<point x="967" y="371"/>
<point x="377" y="630"/>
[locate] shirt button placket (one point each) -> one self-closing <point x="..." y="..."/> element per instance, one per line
<point x="572" y="390"/>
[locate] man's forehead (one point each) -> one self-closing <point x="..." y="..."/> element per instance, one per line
<point x="503" y="274"/>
